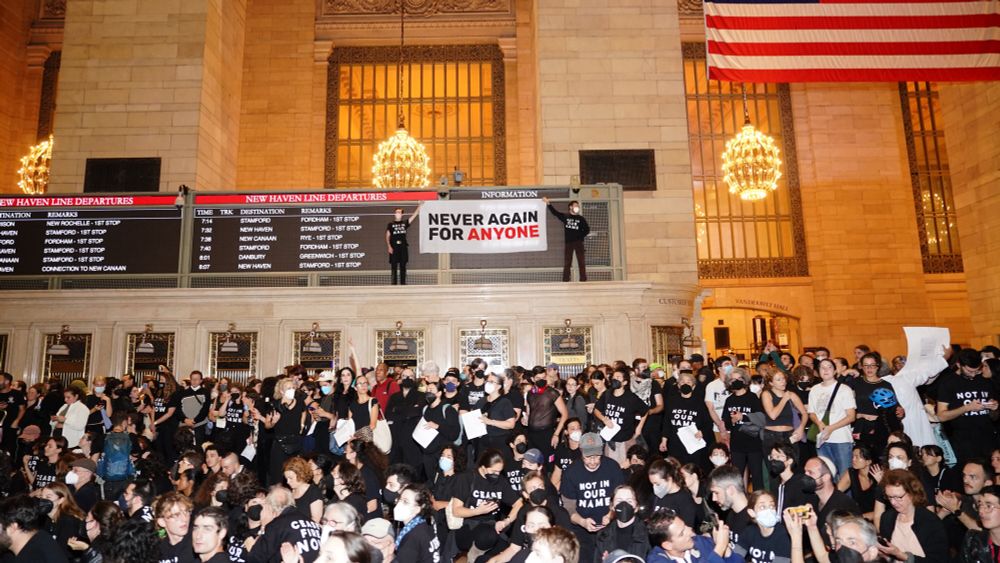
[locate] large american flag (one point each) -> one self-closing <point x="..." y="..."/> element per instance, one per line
<point x="852" y="40"/>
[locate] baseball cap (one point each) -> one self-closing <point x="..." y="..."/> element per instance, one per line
<point x="85" y="463"/>
<point x="552" y="365"/>
<point x="326" y="376"/>
<point x="534" y="456"/>
<point x="377" y="528"/>
<point x="31" y="432"/>
<point x="655" y="366"/>
<point x="591" y="444"/>
<point x="621" y="556"/>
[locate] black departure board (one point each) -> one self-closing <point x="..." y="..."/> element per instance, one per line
<point x="301" y="232"/>
<point x="71" y="235"/>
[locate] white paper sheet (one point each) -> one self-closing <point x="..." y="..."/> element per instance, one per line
<point x="220" y="422"/>
<point x="472" y="423"/>
<point x="345" y="429"/>
<point x="687" y="436"/>
<point x="609" y="432"/>
<point x="249" y="452"/>
<point x="424" y="434"/>
<point x="925" y="345"/>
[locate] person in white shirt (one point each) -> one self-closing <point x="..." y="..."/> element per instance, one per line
<point x="716" y="393"/>
<point x="835" y="439"/>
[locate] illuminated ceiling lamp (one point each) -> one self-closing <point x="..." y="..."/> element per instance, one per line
<point x="401" y="161"/>
<point x="58" y="348"/>
<point x="34" y="171"/>
<point x="146" y="347"/>
<point x="750" y="163"/>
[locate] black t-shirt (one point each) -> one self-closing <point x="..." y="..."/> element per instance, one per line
<point x="373" y="490"/>
<point x="956" y="390"/>
<point x="473" y="490"/>
<point x="837" y="501"/>
<point x="496" y="410"/>
<point x="45" y="473"/>
<point x="513" y="472"/>
<point x="591" y="490"/>
<point x="863" y="391"/>
<point x="95" y="422"/>
<point x="680" y="502"/>
<point x="746" y="403"/>
<point x="183" y="552"/>
<point x="470" y="396"/>
<point x="41" y="547"/>
<point x="738" y="522"/>
<point x="87" y="496"/>
<point x="304" y="502"/>
<point x="397" y="233"/>
<point x="565" y="456"/>
<point x="362" y="413"/>
<point x="14" y="400"/>
<point x="290" y="423"/>
<point x="221" y="557"/>
<point x="680" y="412"/>
<point x="754" y="547"/>
<point x="419" y="545"/>
<point x="626" y="410"/>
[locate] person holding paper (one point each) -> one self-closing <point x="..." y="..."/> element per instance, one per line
<point x="682" y="409"/>
<point x="587" y="488"/>
<point x="498" y="414"/>
<point x="967" y="405"/>
<point x="443" y="418"/>
<point x="623" y="412"/>
<point x="832" y="409"/>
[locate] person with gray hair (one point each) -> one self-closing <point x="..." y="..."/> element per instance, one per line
<point x="855" y="539"/>
<point x="283" y="523"/>
<point x="430" y="371"/>
<point x="725" y="484"/>
<point x="341" y="516"/>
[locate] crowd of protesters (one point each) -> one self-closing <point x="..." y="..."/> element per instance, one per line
<point x="774" y="458"/>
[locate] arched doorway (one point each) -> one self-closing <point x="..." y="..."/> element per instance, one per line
<point x="743" y="331"/>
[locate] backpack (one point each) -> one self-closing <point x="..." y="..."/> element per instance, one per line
<point x="116" y="462"/>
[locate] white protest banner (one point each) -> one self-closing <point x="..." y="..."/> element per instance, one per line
<point x="483" y="227"/>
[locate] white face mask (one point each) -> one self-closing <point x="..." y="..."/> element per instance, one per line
<point x="896" y="463"/>
<point x="717" y="460"/>
<point x="660" y="490"/>
<point x="767" y="517"/>
<point x="490" y="387"/>
<point x="575" y="435"/>
<point x="755" y="388"/>
<point x="401" y="513"/>
<point x="289" y="394"/>
<point x="72" y="478"/>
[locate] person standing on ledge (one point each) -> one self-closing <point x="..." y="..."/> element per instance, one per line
<point x="399" y="248"/>
<point x="575" y="229"/>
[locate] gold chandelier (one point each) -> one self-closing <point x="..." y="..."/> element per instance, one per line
<point x="750" y="164"/>
<point x="34" y="171"/>
<point x="401" y="161"/>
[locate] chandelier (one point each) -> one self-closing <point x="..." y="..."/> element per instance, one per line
<point x="34" y="171"/>
<point x="401" y="161"/>
<point x="750" y="163"/>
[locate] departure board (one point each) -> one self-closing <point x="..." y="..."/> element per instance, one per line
<point x="70" y="235"/>
<point x="301" y="232"/>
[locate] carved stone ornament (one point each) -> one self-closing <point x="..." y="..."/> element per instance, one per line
<point x="54" y="9"/>
<point x="415" y="7"/>
<point x="689" y="7"/>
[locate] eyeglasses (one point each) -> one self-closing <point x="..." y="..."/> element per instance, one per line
<point x="986" y="506"/>
<point x="899" y="497"/>
<point x="178" y="514"/>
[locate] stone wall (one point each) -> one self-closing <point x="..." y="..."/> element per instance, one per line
<point x="16" y="132"/>
<point x="600" y="88"/>
<point x="972" y="122"/>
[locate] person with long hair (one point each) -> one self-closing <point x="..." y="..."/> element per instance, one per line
<point x="287" y="421"/>
<point x="349" y="486"/>
<point x="71" y="421"/>
<point x="859" y="481"/>
<point x="483" y="498"/>
<point x="166" y="403"/>
<point x="101" y="523"/>
<point x="372" y="465"/>
<point x="780" y="406"/>
<point x="625" y="530"/>
<point x="913" y="532"/>
<point x="344" y="547"/>
<point x="364" y="410"/>
<point x="66" y="517"/>
<point x="206" y="493"/>
<point x="308" y="499"/>
<point x="417" y="541"/>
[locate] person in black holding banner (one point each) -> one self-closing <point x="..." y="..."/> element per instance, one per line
<point x="395" y="240"/>
<point x="575" y="229"/>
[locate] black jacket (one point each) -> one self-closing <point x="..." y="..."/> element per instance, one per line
<point x="292" y="527"/>
<point x="638" y="545"/>
<point x="975" y="547"/>
<point x="928" y="529"/>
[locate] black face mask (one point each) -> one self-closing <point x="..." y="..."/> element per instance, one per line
<point x="776" y="467"/>
<point x="430" y="397"/>
<point x="493" y="478"/>
<point x="737" y="385"/>
<point x="234" y="396"/>
<point x="686" y="389"/>
<point x="808" y="485"/>
<point x="615" y="384"/>
<point x="521" y="447"/>
<point x="624" y="512"/>
<point x="222" y="496"/>
<point x="406" y="384"/>
<point x="253" y="512"/>
<point x="537" y="496"/>
<point x="541" y="382"/>
<point x="804" y="385"/>
<point x="390" y="497"/>
<point x="636" y="468"/>
<point x="848" y="555"/>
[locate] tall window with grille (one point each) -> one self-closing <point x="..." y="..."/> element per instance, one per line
<point x="736" y="238"/>
<point x="932" y="196"/>
<point x="452" y="102"/>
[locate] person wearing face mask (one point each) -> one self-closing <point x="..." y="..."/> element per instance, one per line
<point x="514" y="454"/>
<point x="586" y="490"/>
<point x="451" y="389"/>
<point x="417" y="540"/>
<point x="535" y="519"/>
<point x="442" y="417"/>
<point x="650" y="391"/>
<point x="623" y="411"/>
<point x="575" y="230"/>
<point x="789" y="485"/>
<point x="821" y="471"/>
<point x="967" y="405"/>
<point x="232" y="420"/>
<point x="683" y="408"/>
<point x="287" y="422"/>
<point x="669" y="492"/>
<point x="625" y="531"/>
<point x="99" y="404"/>
<point x="568" y="450"/>
<point x="483" y="498"/>
<point x="195" y="402"/>
<point x="396" y="244"/>
<point x="746" y="450"/>
<point x="81" y="478"/>
<point x="403" y="412"/>
<point x="547" y="413"/>
<point x="716" y="393"/>
<point x="767" y="541"/>
<point x="498" y="414"/>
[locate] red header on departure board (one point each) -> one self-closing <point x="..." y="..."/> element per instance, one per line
<point x="88" y="201"/>
<point x="312" y="197"/>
